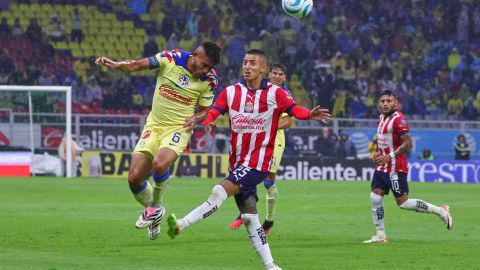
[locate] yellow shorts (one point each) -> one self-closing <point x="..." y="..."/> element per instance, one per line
<point x="277" y="157"/>
<point x="154" y="137"/>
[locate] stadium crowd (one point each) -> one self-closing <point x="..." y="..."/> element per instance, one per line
<point x="341" y="56"/>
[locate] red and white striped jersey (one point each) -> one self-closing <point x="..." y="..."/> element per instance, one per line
<point x="389" y="131"/>
<point x="254" y="116"/>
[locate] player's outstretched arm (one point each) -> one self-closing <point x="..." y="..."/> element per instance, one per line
<point x="125" y="65"/>
<point x="316" y="113"/>
<point x="320" y="114"/>
<point x="208" y="123"/>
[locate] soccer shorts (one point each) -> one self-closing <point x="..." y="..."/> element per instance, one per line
<point x="385" y="181"/>
<point x="154" y="137"/>
<point x="277" y="157"/>
<point x="248" y="179"/>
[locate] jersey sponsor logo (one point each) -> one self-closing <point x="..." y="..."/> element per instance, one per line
<point x="242" y="122"/>
<point x="169" y="93"/>
<point x="146" y="134"/>
<point x="249" y="107"/>
<point x="183" y="81"/>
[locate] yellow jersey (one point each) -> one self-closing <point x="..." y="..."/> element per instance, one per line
<point x="177" y="93"/>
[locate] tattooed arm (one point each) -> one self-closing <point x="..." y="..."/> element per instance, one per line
<point x="403" y="148"/>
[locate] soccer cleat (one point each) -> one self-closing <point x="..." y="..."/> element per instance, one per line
<point x="267" y="226"/>
<point x="448" y="217"/>
<point x="173" y="229"/>
<point x="147" y="217"/>
<point x="236" y="223"/>
<point x="154" y="227"/>
<point x="378" y="238"/>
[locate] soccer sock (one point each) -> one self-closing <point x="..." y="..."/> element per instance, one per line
<point x="160" y="185"/>
<point x="143" y="193"/>
<point x="207" y="208"/>
<point x="271" y="201"/>
<point x="258" y="238"/>
<point x="422" y="206"/>
<point x="378" y="212"/>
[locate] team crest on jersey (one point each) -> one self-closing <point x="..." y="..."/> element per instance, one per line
<point x="183" y="81"/>
<point x="249" y="107"/>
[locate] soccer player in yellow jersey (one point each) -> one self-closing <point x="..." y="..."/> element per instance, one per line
<point x="183" y="95"/>
<point x="277" y="76"/>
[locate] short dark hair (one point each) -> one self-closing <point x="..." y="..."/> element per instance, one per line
<point x="257" y="52"/>
<point x="387" y="93"/>
<point x="279" y="66"/>
<point x="212" y="51"/>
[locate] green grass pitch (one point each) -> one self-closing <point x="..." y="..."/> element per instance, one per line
<point x="56" y="223"/>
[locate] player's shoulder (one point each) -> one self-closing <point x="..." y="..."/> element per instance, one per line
<point x="211" y="78"/>
<point x="175" y="56"/>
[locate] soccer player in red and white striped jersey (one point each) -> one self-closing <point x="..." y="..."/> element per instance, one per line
<point x="254" y="107"/>
<point x="394" y="141"/>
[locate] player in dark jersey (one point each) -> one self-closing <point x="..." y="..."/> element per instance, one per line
<point x="394" y="141"/>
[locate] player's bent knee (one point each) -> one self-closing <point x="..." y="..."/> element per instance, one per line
<point x="159" y="167"/>
<point x="136" y="177"/>
<point x="249" y="206"/>
<point x="375" y="198"/>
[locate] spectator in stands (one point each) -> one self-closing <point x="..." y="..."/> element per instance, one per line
<point x="455" y="105"/>
<point x="76" y="34"/>
<point x="299" y="93"/>
<point x="172" y="42"/>
<point x="93" y="91"/>
<point x="80" y="67"/>
<point x="5" y="30"/>
<point x="34" y="32"/>
<point x="325" y="87"/>
<point x="46" y="78"/>
<point x="462" y="149"/>
<point x="348" y="149"/>
<point x="323" y="143"/>
<point x="454" y="59"/>
<point x="150" y="47"/>
<point x="17" y="30"/>
<point x="187" y="42"/>
<point x="427" y="154"/>
<point x="55" y="30"/>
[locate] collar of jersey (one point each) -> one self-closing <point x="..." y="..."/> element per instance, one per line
<point x="390" y="114"/>
<point x="263" y="85"/>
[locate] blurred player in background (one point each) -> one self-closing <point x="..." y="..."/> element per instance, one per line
<point x="254" y="107"/>
<point x="185" y="83"/>
<point x="277" y="76"/>
<point x="394" y="141"/>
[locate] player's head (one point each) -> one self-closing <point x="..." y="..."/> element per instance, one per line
<point x="387" y="102"/>
<point x="278" y="74"/>
<point x="254" y="64"/>
<point x="203" y="59"/>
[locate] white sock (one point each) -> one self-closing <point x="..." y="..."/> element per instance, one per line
<point x="422" y="206"/>
<point x="378" y="212"/>
<point x="258" y="238"/>
<point x="272" y="195"/>
<point x="207" y="208"/>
